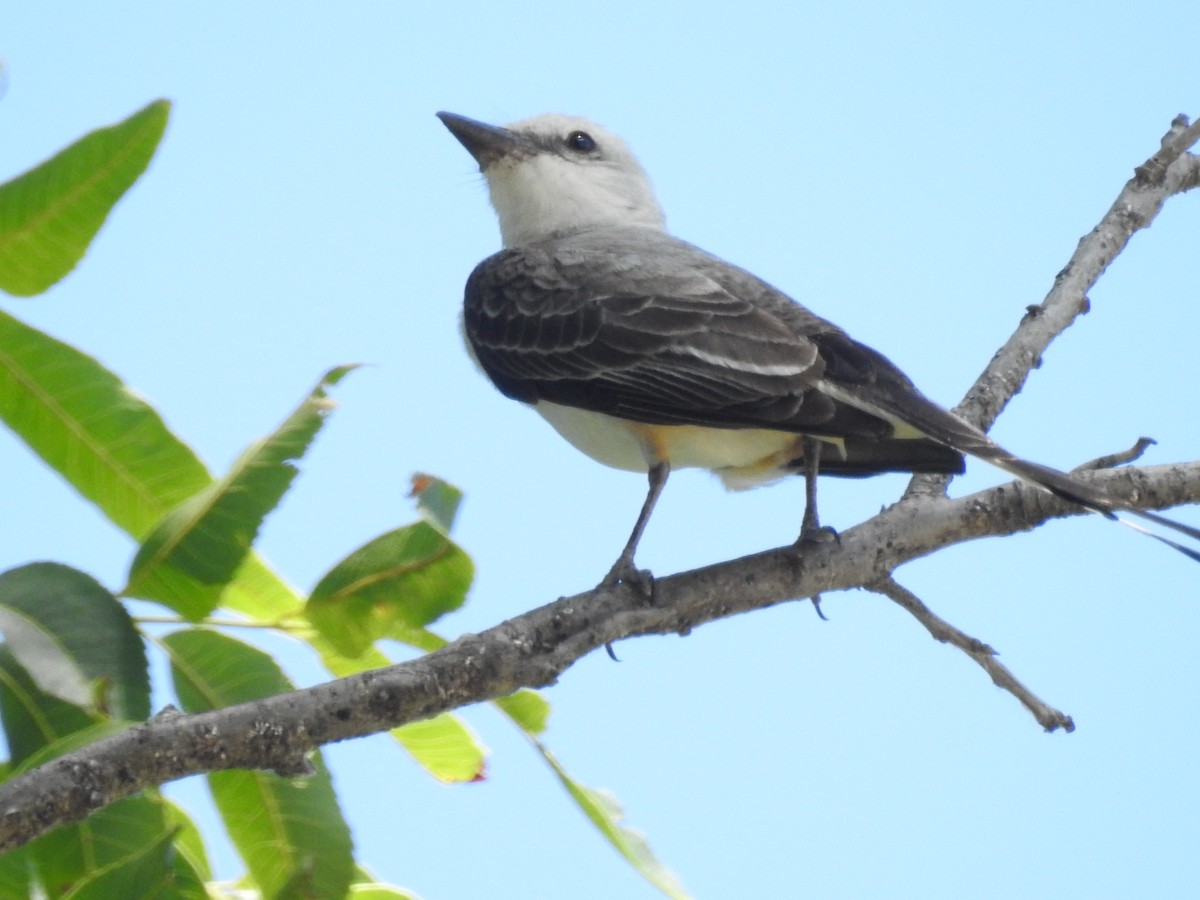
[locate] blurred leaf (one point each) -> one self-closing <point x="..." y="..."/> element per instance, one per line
<point x="437" y="500"/>
<point x="32" y="718"/>
<point x="416" y="636"/>
<point x="260" y="594"/>
<point x="49" y="215"/>
<point x="177" y="591"/>
<point x="188" y="840"/>
<point x="16" y="869"/>
<point x="338" y="665"/>
<point x="69" y="743"/>
<point x="290" y="833"/>
<point x="606" y="815"/>
<point x="208" y="536"/>
<point x="407" y="577"/>
<point x="75" y="639"/>
<point x="155" y="870"/>
<point x="445" y="747"/>
<point x="373" y="891"/>
<point x="367" y="889"/>
<point x="212" y="670"/>
<point x="132" y="832"/>
<point x="529" y="709"/>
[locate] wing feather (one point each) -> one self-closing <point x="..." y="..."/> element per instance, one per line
<point x="649" y="328"/>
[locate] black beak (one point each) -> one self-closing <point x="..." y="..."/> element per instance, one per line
<point x="487" y="143"/>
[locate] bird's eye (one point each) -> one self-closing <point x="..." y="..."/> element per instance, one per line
<point x="581" y="141"/>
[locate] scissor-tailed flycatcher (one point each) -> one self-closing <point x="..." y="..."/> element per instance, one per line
<point x="649" y="354"/>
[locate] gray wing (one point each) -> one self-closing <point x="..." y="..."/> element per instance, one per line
<point x="645" y="327"/>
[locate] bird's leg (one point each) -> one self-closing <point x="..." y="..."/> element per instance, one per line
<point x="623" y="569"/>
<point x="811" y="531"/>
<point x="810" y="527"/>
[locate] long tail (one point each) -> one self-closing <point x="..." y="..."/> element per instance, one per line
<point x="1069" y="488"/>
<point x="943" y="426"/>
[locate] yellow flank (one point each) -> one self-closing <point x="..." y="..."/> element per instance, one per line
<point x="742" y="457"/>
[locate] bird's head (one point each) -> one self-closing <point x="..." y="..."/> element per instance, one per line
<point x="553" y="175"/>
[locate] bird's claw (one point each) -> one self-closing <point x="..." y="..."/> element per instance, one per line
<point x="625" y="572"/>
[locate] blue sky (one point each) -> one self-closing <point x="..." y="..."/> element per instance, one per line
<point x="918" y="176"/>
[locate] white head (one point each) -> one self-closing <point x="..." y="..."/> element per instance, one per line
<point x="553" y="175"/>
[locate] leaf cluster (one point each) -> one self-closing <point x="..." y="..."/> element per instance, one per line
<point x="74" y="662"/>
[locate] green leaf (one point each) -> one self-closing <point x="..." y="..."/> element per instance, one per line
<point x="445" y="747"/>
<point x="32" y="718"/>
<point x="606" y="815"/>
<point x="291" y="834"/>
<point x="40" y="728"/>
<point x="75" y="639"/>
<point x="154" y="870"/>
<point x="373" y="891"/>
<point x="174" y="589"/>
<point x="89" y="427"/>
<point x="49" y="215"/>
<point x="113" y="448"/>
<point x="189" y="842"/>
<point x="529" y="709"/>
<point x="16" y="870"/>
<point x="207" y="537"/>
<point x="140" y="841"/>
<point x="403" y="579"/>
<point x="72" y="741"/>
<point x="131" y="833"/>
<point x="260" y="594"/>
<point x="367" y="888"/>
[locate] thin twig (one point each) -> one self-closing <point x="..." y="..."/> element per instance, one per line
<point x="1120" y="458"/>
<point x="1047" y="716"/>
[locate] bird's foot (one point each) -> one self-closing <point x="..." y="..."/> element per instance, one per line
<point x="625" y="572"/>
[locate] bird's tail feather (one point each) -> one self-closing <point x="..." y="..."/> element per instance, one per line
<point x="1191" y="532"/>
<point x="946" y="427"/>
<point x="1063" y="485"/>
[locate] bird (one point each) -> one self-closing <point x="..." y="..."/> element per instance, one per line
<point x="650" y="354"/>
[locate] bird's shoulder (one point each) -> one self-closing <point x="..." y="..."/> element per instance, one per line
<point x="628" y="270"/>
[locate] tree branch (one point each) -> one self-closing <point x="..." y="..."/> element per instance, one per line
<point x="1047" y="716"/>
<point x="1172" y="170"/>
<point x="534" y="649"/>
<point x="1134" y="209"/>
